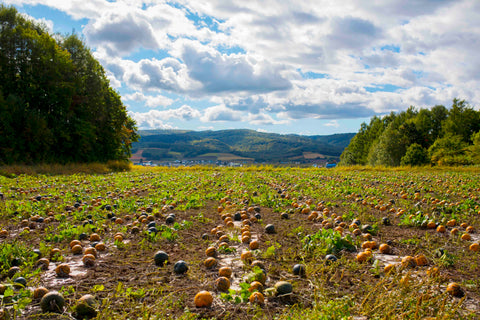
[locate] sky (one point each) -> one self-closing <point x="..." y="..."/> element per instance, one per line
<point x="310" y="67"/>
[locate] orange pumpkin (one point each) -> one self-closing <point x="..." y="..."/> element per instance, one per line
<point x="210" y="262"/>
<point x="408" y="261"/>
<point x="203" y="299"/>
<point x="77" y="249"/>
<point x="94" y="237"/>
<point x="362" y="256"/>
<point x="88" y="260"/>
<point x="384" y="248"/>
<point x="211" y="251"/>
<point x="257" y="297"/>
<point x="475" y="247"/>
<point x="225" y="272"/>
<point x="254" y="245"/>
<point x="421" y="260"/>
<point x="74" y="243"/>
<point x="466" y="237"/>
<point x="62" y="270"/>
<point x="223" y="284"/>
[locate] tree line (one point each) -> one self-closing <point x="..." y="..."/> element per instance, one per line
<point x="56" y="103"/>
<point x="436" y="136"/>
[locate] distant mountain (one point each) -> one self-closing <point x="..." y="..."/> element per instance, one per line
<point x="237" y="145"/>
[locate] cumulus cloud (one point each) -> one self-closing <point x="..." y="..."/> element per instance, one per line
<point x="220" y="113"/>
<point x="277" y="61"/>
<point x="155" y="119"/>
<point x="235" y="72"/>
<point x="150" y="101"/>
<point x="121" y="32"/>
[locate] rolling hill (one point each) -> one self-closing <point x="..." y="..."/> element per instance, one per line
<point x="237" y="145"/>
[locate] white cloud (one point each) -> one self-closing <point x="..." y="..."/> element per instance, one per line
<point x="220" y="113"/>
<point x="332" y="123"/>
<point x="155" y="119"/>
<point x="273" y="61"/>
<point x="150" y="101"/>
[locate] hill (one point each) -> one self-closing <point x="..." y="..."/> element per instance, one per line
<point x="237" y="145"/>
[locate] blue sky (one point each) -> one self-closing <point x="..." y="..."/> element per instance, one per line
<point x="304" y="66"/>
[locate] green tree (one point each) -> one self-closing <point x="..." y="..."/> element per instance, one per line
<point x="416" y="155"/>
<point x="449" y="151"/>
<point x="462" y="120"/>
<point x="57" y="104"/>
<point x="474" y="150"/>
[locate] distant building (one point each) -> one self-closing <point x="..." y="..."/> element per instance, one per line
<point x="330" y="165"/>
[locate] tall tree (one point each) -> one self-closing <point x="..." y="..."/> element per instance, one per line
<point x="57" y="104"/>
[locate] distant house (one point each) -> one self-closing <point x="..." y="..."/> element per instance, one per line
<point x="330" y="165"/>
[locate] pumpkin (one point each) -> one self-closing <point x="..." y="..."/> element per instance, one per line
<point x="225" y="272"/>
<point x="270" y="229"/>
<point x="421" y="260"/>
<point x="451" y="223"/>
<point x="20" y="282"/>
<point x="100" y="247"/>
<point x="254" y="245"/>
<point x="77" y="249"/>
<point x="224" y="238"/>
<point x="454" y="231"/>
<point x="43" y="263"/>
<point x="257" y="297"/>
<point x="362" y="256"/>
<point x="470" y="229"/>
<point x="52" y="302"/>
<point x="223" y="284"/>
<point x="283" y="287"/>
<point x="329" y="258"/>
<point x="94" y="237"/>
<point x="211" y="252"/>
<point x="246" y="239"/>
<point x="441" y="229"/>
<point x="39" y="292"/>
<point x="474" y="247"/>
<point x="88" y="260"/>
<point x="223" y="245"/>
<point x="91" y="251"/>
<point x="160" y="258"/>
<point x="203" y="299"/>
<point x="384" y="248"/>
<point x="466" y="237"/>
<point x="408" y="261"/>
<point x="389" y="267"/>
<point x="210" y="262"/>
<point x="55" y="253"/>
<point x="256" y="285"/>
<point x="74" y="243"/>
<point x="455" y="290"/>
<point x="258" y="263"/>
<point x="62" y="270"/>
<point x="85" y="307"/>
<point x="180" y="267"/>
<point x="246" y="256"/>
<point x="299" y="270"/>
<point x="431" y="224"/>
<point x="357" y="232"/>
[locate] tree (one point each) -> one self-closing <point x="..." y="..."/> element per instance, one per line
<point x="449" y="151"/>
<point x="462" y="120"/>
<point x="473" y="151"/>
<point x="416" y="155"/>
<point x="57" y="104"/>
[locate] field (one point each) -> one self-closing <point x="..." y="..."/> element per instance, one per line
<point x="299" y="244"/>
